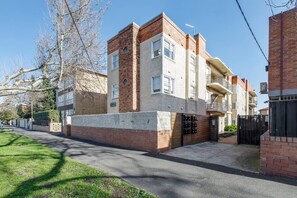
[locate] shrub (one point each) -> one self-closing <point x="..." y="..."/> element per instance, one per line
<point x="50" y="115"/>
<point x="231" y="128"/>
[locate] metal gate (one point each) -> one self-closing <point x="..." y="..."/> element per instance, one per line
<point x="250" y="128"/>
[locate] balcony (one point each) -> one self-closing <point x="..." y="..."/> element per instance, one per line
<point x="253" y="102"/>
<point x="221" y="66"/>
<point x="253" y="93"/>
<point x="219" y="84"/>
<point x="218" y="107"/>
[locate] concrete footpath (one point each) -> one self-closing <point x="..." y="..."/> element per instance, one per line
<point x="168" y="176"/>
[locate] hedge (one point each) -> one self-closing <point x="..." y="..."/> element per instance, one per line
<point x="50" y="115"/>
<point x="231" y="128"/>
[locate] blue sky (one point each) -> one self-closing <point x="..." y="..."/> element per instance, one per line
<point x="220" y="22"/>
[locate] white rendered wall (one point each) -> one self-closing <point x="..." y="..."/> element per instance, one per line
<point x="113" y="78"/>
<point x="151" y="121"/>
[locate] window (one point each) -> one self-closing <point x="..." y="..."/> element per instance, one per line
<point x="193" y="63"/>
<point x="115" y="91"/>
<point x="192" y="92"/>
<point x="156" y="84"/>
<point x="168" y="85"/>
<point x="68" y="82"/>
<point x="156" y="49"/>
<point x="115" y="61"/>
<point x="234" y="105"/>
<point x="169" y="49"/>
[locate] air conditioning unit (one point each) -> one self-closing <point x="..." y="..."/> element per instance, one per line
<point x="263" y="88"/>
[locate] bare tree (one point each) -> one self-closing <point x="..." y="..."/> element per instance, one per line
<point x="72" y="41"/>
<point x="281" y="4"/>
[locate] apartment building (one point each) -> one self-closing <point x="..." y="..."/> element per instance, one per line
<point x="244" y="98"/>
<point x="157" y="67"/>
<point x="83" y="92"/>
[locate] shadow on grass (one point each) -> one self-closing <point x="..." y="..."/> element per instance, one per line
<point x="11" y="141"/>
<point x="42" y="182"/>
<point x="31" y="185"/>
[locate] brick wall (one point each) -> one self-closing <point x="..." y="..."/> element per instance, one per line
<point x="128" y="138"/>
<point x="282" y="72"/>
<point x="140" y="137"/>
<point x="129" y="84"/>
<point x="278" y="156"/>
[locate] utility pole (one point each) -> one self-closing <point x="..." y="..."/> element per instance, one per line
<point x="31" y="109"/>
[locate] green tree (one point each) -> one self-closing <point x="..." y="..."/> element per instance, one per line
<point x="7" y="115"/>
<point x="49" y="101"/>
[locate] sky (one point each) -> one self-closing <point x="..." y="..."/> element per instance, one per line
<point x="220" y="22"/>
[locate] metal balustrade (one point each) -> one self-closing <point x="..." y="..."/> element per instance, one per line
<point x="217" y="79"/>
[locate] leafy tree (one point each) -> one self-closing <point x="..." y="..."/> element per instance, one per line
<point x="8" y="115"/>
<point x="49" y="101"/>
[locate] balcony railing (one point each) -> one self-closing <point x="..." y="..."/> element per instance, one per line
<point x="218" y="107"/>
<point x="217" y="79"/>
<point x="253" y="101"/>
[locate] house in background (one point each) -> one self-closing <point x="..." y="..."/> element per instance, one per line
<point x="22" y="107"/>
<point x="264" y="111"/>
<point x="244" y="98"/>
<point x="83" y="92"/>
<point x="157" y="67"/>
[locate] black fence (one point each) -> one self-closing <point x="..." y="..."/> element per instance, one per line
<point x="250" y="128"/>
<point x="41" y="122"/>
<point x="283" y="118"/>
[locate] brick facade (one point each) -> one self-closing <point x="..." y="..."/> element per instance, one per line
<point x="282" y="72"/>
<point x="129" y="85"/>
<point x="278" y="156"/>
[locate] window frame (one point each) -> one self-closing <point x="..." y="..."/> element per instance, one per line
<point x="112" y="61"/>
<point x="171" y="85"/>
<point x="113" y="91"/>
<point x="152" y="85"/>
<point x="190" y="93"/>
<point x="152" y="48"/>
<point x="162" y="85"/>
<point x="171" y="49"/>
<point x="193" y="66"/>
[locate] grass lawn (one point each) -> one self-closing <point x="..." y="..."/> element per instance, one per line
<point x="29" y="169"/>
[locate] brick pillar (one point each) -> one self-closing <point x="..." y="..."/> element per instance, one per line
<point x="200" y="45"/>
<point x="129" y="85"/>
<point x="282" y="72"/>
<point x="214" y="128"/>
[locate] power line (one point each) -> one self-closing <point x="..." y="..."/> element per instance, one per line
<point x="252" y="31"/>
<point x="79" y="33"/>
<point x="83" y="43"/>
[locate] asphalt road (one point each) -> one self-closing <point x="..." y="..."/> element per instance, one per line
<point x="167" y="176"/>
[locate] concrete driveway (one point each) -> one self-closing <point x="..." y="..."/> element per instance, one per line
<point x="167" y="176"/>
<point x="243" y="157"/>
